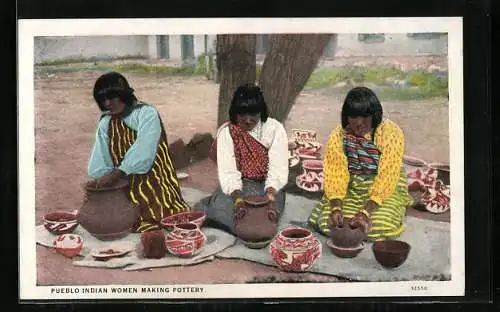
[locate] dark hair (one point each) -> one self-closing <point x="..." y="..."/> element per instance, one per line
<point x="248" y="99"/>
<point x="113" y="85"/>
<point x="362" y="102"/>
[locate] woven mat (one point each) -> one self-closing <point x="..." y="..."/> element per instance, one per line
<point x="429" y="258"/>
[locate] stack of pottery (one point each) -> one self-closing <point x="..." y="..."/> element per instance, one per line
<point x="108" y="214"/>
<point x="312" y="178"/>
<point x="185" y="240"/>
<point x="428" y="184"/>
<point x="345" y="241"/>
<point x="306" y="145"/>
<point x="258" y="225"/>
<point x="295" y="249"/>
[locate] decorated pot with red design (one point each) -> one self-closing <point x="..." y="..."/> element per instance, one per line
<point x="312" y="178"/>
<point x="68" y="245"/>
<point x="196" y="217"/>
<point x="295" y="249"/>
<point x="437" y="199"/>
<point x="60" y="222"/>
<point x="185" y="240"/>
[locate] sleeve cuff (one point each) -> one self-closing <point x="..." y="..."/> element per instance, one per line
<point x="376" y="199"/>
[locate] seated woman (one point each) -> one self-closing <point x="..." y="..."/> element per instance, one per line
<point x="131" y="143"/>
<point x="251" y="157"/>
<point x="364" y="179"/>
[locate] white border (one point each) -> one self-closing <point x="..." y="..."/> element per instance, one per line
<point x="28" y="29"/>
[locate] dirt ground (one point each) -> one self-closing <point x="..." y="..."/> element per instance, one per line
<point x="65" y="121"/>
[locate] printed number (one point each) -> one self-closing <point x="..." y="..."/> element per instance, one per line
<point x="418" y="288"/>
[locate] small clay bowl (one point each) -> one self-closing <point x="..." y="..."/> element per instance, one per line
<point x="391" y="253"/>
<point x="68" y="245"/>
<point x="60" y="222"/>
<point x="196" y="217"/>
<point x="346" y="237"/>
<point x="342" y="252"/>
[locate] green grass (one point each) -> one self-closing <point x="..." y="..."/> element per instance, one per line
<point x="68" y="61"/>
<point x="419" y="84"/>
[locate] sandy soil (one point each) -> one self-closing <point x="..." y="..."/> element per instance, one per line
<point x="65" y="120"/>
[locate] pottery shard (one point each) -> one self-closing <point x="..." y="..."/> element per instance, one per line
<point x="180" y="154"/>
<point x="199" y="146"/>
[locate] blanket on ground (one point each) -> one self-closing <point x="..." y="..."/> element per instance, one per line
<point x="429" y="258"/>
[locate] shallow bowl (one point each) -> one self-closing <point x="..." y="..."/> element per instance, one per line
<point x="196" y="217"/>
<point x="60" y="222"/>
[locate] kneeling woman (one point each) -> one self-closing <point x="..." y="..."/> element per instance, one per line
<point x="364" y="179"/>
<point x="251" y="157"/>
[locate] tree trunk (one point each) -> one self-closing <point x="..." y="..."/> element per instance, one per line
<point x="288" y="65"/>
<point x="236" y="66"/>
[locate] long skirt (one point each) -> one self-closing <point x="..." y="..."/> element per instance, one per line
<point x="387" y="219"/>
<point x="219" y="206"/>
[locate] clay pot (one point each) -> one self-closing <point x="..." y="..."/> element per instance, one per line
<point x="311" y="179"/>
<point x="186" y="240"/>
<point x="257" y="224"/>
<point x="68" y="245"/>
<point x="108" y="214"/>
<point x="346" y="237"/>
<point x="153" y="244"/>
<point x="391" y="253"/>
<point x="60" y="222"/>
<point x="295" y="249"/>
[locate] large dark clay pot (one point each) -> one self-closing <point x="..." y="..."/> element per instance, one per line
<point x="108" y="214"/>
<point x="257" y="224"/>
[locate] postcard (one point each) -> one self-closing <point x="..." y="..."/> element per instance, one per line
<point x="241" y="158"/>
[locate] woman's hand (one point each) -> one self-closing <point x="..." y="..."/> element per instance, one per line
<point x="238" y="206"/>
<point x="362" y="221"/>
<point x="107" y="180"/>
<point x="336" y="217"/>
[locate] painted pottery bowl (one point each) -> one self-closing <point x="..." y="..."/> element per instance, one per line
<point x="308" y="153"/>
<point x="68" y="245"/>
<point x="312" y="178"/>
<point x="443" y="172"/>
<point x="305" y="135"/>
<point x="185" y="240"/>
<point x="196" y="217"/>
<point x="344" y="252"/>
<point x="346" y="237"/>
<point x="391" y="253"/>
<point x="295" y="249"/>
<point x="60" y="222"/>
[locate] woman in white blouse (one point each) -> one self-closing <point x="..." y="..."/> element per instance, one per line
<point x="252" y="159"/>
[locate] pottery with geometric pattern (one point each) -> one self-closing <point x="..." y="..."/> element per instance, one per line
<point x="295" y="249"/>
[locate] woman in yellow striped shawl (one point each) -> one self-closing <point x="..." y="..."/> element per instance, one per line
<point x="364" y="178"/>
<point x="131" y="143"/>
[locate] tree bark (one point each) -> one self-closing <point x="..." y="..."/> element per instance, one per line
<point x="236" y="65"/>
<point x="288" y="65"/>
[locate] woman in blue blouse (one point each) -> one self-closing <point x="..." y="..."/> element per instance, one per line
<point x="131" y="143"/>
